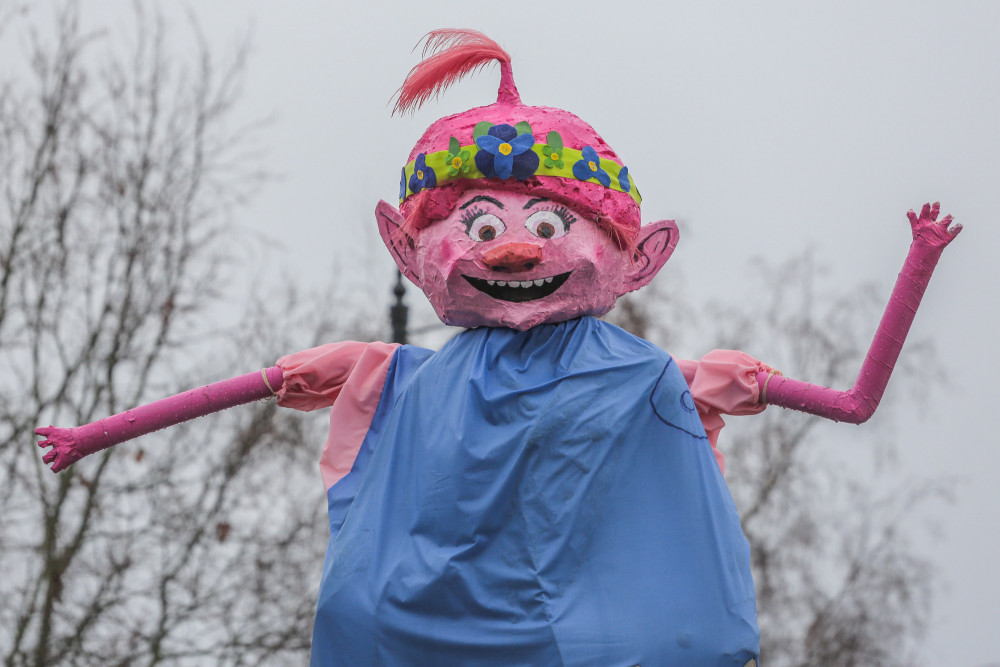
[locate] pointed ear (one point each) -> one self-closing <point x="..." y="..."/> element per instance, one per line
<point x="656" y="243"/>
<point x="399" y="243"/>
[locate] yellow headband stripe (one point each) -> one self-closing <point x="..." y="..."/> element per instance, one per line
<point x="447" y="170"/>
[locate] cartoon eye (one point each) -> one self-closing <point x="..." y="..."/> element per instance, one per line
<point x="485" y="227"/>
<point x="546" y="224"/>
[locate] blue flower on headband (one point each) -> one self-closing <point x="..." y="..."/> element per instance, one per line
<point x="422" y="176"/>
<point x="504" y="153"/>
<point x="623" y="180"/>
<point x="402" y="183"/>
<point x="590" y="167"/>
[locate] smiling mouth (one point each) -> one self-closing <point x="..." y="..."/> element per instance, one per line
<point x="518" y="291"/>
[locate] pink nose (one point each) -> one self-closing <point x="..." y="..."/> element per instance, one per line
<point x="513" y="257"/>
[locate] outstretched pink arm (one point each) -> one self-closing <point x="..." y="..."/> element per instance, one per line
<point x="69" y="445"/>
<point x="857" y="404"/>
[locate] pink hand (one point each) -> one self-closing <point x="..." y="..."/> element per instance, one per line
<point x="856" y="405"/>
<point x="927" y="228"/>
<point x="63" y="453"/>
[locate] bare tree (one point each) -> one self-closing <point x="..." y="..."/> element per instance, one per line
<point x="837" y="580"/>
<point x="119" y="170"/>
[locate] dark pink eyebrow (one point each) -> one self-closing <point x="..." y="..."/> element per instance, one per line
<point x="532" y="202"/>
<point x="481" y="198"/>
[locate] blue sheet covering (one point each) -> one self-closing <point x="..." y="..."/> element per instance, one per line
<point x="538" y="498"/>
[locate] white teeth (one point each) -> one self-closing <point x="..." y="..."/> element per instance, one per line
<point x="537" y="282"/>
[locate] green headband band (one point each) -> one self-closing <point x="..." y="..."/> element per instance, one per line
<point x="505" y="151"/>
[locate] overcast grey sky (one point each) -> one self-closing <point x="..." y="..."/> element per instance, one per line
<point x="763" y="128"/>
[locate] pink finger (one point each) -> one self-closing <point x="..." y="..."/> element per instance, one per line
<point x="925" y="211"/>
<point x="935" y="209"/>
<point x="50" y="456"/>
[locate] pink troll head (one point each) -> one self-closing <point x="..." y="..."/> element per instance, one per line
<point x="512" y="215"/>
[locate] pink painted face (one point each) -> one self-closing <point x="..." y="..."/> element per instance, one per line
<point x="514" y="260"/>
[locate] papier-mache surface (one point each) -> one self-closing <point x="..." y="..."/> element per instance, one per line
<point x="588" y="195"/>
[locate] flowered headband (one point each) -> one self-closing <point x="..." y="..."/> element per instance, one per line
<point x="510" y="151"/>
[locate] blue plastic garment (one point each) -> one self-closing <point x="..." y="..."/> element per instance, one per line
<point x="538" y="498"/>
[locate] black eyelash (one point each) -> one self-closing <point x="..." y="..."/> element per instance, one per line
<point x="564" y="215"/>
<point x="469" y="217"/>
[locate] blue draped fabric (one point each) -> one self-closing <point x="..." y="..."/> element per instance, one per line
<point x="545" y="497"/>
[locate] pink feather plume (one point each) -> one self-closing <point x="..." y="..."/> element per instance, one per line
<point x="455" y="53"/>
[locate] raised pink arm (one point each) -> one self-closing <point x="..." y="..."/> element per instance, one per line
<point x="69" y="445"/>
<point x="857" y="404"/>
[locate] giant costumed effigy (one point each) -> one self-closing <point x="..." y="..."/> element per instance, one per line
<point x="546" y="488"/>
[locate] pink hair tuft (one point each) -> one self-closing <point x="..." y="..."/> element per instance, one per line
<point x="454" y="53"/>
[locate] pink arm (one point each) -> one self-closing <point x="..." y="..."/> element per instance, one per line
<point x="69" y="445"/>
<point x="857" y="404"/>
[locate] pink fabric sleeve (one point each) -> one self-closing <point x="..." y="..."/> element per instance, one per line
<point x="349" y="377"/>
<point x="313" y="378"/>
<point x="723" y="382"/>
